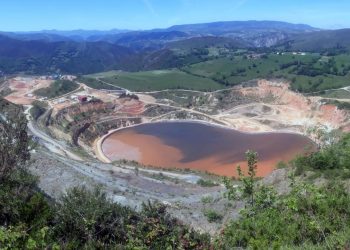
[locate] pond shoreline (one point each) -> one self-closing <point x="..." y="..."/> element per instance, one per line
<point x="152" y="158"/>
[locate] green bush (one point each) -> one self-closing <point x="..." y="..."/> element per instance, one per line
<point x="212" y="215"/>
<point x="332" y="160"/>
<point x="206" y="183"/>
<point x="38" y="109"/>
<point x="308" y="215"/>
<point x="207" y="199"/>
<point x="90" y="216"/>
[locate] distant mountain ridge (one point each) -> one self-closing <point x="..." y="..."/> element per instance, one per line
<point x="220" y="28"/>
<point x="256" y="33"/>
<point x="82" y="52"/>
<point x="63" y="35"/>
<point x="321" y="40"/>
<point x="142" y="39"/>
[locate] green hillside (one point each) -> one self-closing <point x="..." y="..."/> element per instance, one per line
<point x="321" y="40"/>
<point x="206" y="42"/>
<point x="308" y="73"/>
<point x="159" y="80"/>
<point x="57" y="88"/>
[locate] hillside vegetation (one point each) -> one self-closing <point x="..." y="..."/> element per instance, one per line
<point x="38" y="57"/>
<point x="57" y="88"/>
<point x="206" y="42"/>
<point x="307" y="73"/>
<point x="324" y="40"/>
<point x="88" y="52"/>
<point x="159" y="80"/>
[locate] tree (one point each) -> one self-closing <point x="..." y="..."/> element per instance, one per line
<point x="38" y="109"/>
<point x="322" y="136"/>
<point x="248" y="182"/>
<point x="14" y="143"/>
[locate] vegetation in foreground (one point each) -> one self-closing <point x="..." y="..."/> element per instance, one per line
<point x="82" y="219"/>
<point x="331" y="161"/>
<point x="308" y="217"/>
<point x="57" y="88"/>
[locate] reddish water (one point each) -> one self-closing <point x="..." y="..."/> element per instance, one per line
<point x="202" y="147"/>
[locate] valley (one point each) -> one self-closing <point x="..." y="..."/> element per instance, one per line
<point x="72" y="129"/>
<point x="222" y="135"/>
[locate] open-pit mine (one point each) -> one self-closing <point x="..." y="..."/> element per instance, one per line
<point x="264" y="116"/>
<point x="159" y="145"/>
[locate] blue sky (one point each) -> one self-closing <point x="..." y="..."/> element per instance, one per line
<point x="29" y="15"/>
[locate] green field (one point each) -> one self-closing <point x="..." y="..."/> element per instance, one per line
<point x="308" y="73"/>
<point x="95" y="83"/>
<point x="57" y="88"/>
<point x="338" y="94"/>
<point x="158" y="80"/>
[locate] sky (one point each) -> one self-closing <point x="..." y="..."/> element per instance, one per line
<point x="33" y="15"/>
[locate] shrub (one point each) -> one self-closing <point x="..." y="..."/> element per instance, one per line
<point x="38" y="109"/>
<point x="212" y="215"/>
<point x="206" y="183"/>
<point x="90" y="216"/>
<point x="331" y="158"/>
<point x="207" y="199"/>
<point x="308" y="215"/>
<point x="92" y="220"/>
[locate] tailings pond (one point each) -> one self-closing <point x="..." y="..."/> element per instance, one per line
<point x="201" y="146"/>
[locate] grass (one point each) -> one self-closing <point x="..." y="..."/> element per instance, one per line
<point x="233" y="71"/>
<point x="57" y="88"/>
<point x="240" y="69"/>
<point x="104" y="74"/>
<point x="338" y="94"/>
<point x="160" y="80"/>
<point x="95" y="84"/>
<point x="307" y="73"/>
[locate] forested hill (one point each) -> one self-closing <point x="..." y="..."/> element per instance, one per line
<point x="83" y="52"/>
<point x="40" y="56"/>
<point x="321" y="40"/>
